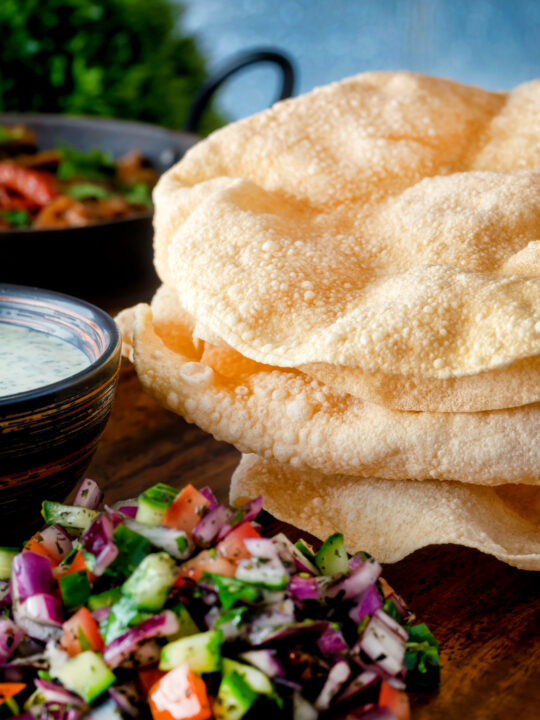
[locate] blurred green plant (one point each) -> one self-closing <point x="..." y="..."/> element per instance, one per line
<point x="118" y="58"/>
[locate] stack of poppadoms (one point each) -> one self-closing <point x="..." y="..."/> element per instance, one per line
<point x="351" y="295"/>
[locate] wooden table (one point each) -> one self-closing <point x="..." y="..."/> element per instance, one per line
<point x="485" y="615"/>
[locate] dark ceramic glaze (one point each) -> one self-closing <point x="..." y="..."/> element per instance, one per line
<point x="48" y="435"/>
<point x="107" y="260"/>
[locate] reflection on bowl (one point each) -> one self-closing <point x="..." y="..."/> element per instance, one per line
<point x="48" y="434"/>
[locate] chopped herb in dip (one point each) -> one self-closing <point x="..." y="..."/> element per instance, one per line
<point x="30" y="359"/>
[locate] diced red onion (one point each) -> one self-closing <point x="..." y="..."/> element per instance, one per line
<point x="13" y="673"/>
<point x="162" y="537"/>
<point x="100" y="532"/>
<point x="355" y="583"/>
<point x="125" y="645"/>
<point x="304" y="588"/>
<point x="290" y="553"/>
<point x="209" y="495"/>
<point x="105" y="558"/>
<point x="210" y="525"/>
<point x="5" y="593"/>
<point x="383" y="646"/>
<point x="332" y="642"/>
<point x="101" y="614"/>
<point x="57" y="694"/>
<point x="231" y="630"/>
<point x="366" y="604"/>
<point x="72" y="714"/>
<point x="396" y="682"/>
<point x="31" y="574"/>
<point x="126" y="697"/>
<point x="262" y="548"/>
<point x="260" y="635"/>
<point x="392" y="624"/>
<point x="288" y="683"/>
<point x="249" y="511"/>
<point x="143" y="655"/>
<point x="42" y="608"/>
<point x="337" y="677"/>
<point x="10" y="637"/>
<point x="88" y="495"/>
<point x="302" y="709"/>
<point x="377" y="713"/>
<point x="36" y="630"/>
<point x="129" y="511"/>
<point x="364" y="680"/>
<point x="107" y="710"/>
<point x="98" y="540"/>
<point x="264" y="660"/>
<point x="356" y="561"/>
<point x="56" y="657"/>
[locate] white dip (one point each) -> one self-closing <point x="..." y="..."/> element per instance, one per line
<point x="30" y="359"/>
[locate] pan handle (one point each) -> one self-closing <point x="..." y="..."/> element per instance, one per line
<point x="251" y="57"/>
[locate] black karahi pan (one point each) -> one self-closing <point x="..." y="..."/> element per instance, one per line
<point x="108" y="262"/>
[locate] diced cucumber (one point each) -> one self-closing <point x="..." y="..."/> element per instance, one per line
<point x="70" y="516"/>
<point x="202" y="652"/>
<point x="153" y="504"/>
<point x="234" y="698"/>
<point x="75" y="589"/>
<point x="132" y="549"/>
<point x="332" y="557"/>
<point x="186" y="623"/>
<point x="306" y="549"/>
<point x="260" y="571"/>
<point x="256" y="679"/>
<point x="6" y="559"/>
<point x="148" y="586"/>
<point x="86" y="674"/>
<point x="104" y="599"/>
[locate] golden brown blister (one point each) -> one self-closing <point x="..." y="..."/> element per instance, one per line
<point x="389" y="223"/>
<point x="283" y="414"/>
<point x="390" y="518"/>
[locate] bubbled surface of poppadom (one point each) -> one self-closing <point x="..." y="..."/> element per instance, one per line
<point x="389" y="222"/>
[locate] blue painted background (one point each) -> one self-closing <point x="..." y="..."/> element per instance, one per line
<point x="493" y="43"/>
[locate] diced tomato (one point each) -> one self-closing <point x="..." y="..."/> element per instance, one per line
<point x="206" y="561"/>
<point x="232" y="546"/>
<point x="148" y="677"/>
<point x="80" y="633"/>
<point x="180" y="695"/>
<point x="186" y="510"/>
<point x="35" y="545"/>
<point x="33" y="185"/>
<point x="50" y="542"/>
<point x="8" y="690"/>
<point x="395" y="700"/>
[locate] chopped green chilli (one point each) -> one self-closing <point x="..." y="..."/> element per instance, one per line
<point x="174" y="607"/>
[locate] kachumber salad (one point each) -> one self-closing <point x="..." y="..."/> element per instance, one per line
<point x="64" y="187"/>
<point x="175" y="606"/>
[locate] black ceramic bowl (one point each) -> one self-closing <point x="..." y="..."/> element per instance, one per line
<point x="48" y="435"/>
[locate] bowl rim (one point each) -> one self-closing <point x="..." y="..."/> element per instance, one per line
<point x="50" y="392"/>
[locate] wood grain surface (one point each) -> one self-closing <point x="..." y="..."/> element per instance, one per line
<point x="485" y="615"/>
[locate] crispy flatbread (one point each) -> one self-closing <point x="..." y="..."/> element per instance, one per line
<point x="390" y="518"/>
<point x="283" y="414"/>
<point x="514" y="385"/>
<point x="389" y="222"/>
